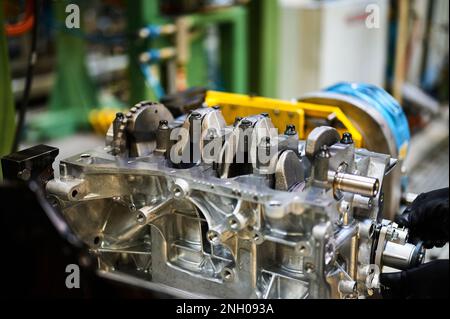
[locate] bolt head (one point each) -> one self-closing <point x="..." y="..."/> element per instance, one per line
<point x="237" y="120"/>
<point x="347" y="138"/>
<point x="196" y="115"/>
<point x="119" y="116"/>
<point x="290" y="130"/>
<point x="246" y="123"/>
<point x="163" y="124"/>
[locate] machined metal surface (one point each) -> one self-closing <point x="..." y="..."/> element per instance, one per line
<point x="376" y="134"/>
<point x="240" y="211"/>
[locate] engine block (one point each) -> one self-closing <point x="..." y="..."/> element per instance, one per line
<point x="193" y="207"/>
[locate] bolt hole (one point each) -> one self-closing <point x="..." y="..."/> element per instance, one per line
<point x="227" y="275"/>
<point x="178" y="192"/>
<point x="213" y="237"/>
<point x="234" y="224"/>
<point x="140" y="218"/>
<point x="96" y="240"/>
<point x="309" y="268"/>
<point x="74" y="193"/>
<point x="302" y="249"/>
<point x="85" y="155"/>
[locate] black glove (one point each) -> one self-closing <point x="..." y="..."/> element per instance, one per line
<point x="427" y="218"/>
<point x="429" y="280"/>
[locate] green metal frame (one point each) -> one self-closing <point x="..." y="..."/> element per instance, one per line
<point x="269" y="48"/>
<point x="140" y="13"/>
<point x="73" y="94"/>
<point x="233" y="28"/>
<point x="264" y="47"/>
<point x="232" y="24"/>
<point x="7" y="109"/>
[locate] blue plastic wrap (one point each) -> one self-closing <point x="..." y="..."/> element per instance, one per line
<point x="385" y="104"/>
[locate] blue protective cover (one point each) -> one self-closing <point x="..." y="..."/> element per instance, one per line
<point x="384" y="103"/>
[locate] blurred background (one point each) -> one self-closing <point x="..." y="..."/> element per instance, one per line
<point x="100" y="56"/>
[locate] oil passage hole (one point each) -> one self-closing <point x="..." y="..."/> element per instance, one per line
<point x="227" y="275"/>
<point x="178" y="192"/>
<point x="141" y="218"/>
<point x="213" y="237"/>
<point x="234" y="224"/>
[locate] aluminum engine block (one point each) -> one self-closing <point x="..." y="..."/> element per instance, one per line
<point x="195" y="208"/>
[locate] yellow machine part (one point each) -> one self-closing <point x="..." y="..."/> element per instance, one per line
<point x="100" y="120"/>
<point x="304" y="116"/>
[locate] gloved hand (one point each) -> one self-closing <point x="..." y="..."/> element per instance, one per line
<point x="429" y="280"/>
<point x="427" y="218"/>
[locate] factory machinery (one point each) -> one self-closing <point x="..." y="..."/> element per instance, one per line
<point x="241" y="196"/>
